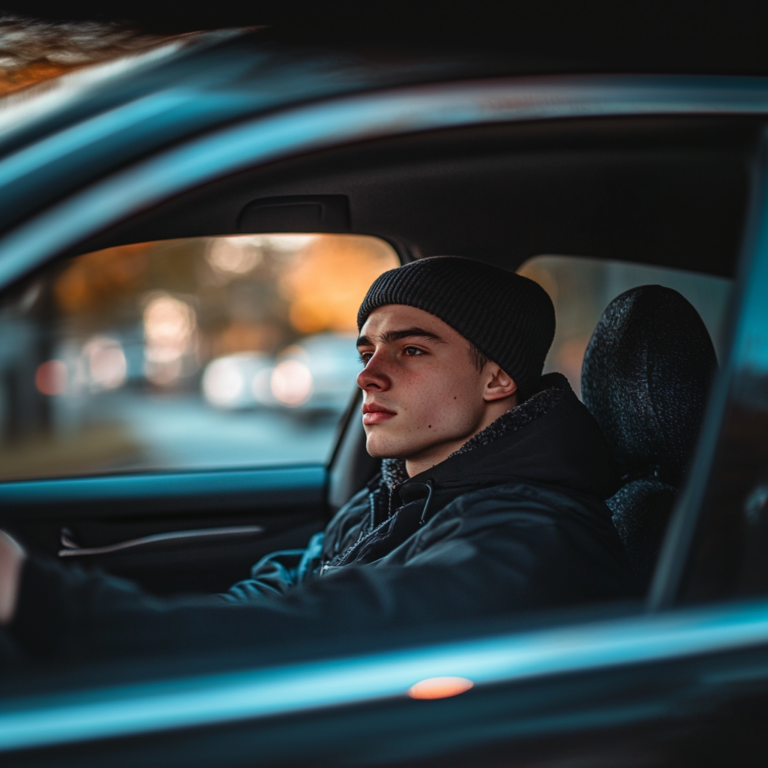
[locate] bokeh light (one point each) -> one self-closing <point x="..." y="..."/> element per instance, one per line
<point x="229" y="256"/>
<point x="107" y="366"/>
<point x="292" y="383"/>
<point x="169" y="326"/>
<point x="51" y="377"/>
<point x="223" y="382"/>
<point x="238" y="381"/>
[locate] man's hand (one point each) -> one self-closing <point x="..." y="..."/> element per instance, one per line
<point x="12" y="556"/>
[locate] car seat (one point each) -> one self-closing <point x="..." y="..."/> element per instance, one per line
<point x="645" y="378"/>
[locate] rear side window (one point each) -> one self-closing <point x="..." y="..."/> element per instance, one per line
<point x="582" y="288"/>
<point x="183" y="354"/>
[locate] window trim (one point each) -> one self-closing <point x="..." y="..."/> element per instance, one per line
<point x="356" y="118"/>
<point x="276" y="487"/>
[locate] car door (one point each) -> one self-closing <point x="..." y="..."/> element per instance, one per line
<point x="537" y="690"/>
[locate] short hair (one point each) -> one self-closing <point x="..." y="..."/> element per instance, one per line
<point x="477" y="357"/>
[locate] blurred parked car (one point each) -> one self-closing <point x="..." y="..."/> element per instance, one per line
<point x="239" y="381"/>
<point x="316" y="374"/>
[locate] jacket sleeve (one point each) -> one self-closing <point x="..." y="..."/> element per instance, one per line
<point x="520" y="563"/>
<point x="277" y="573"/>
<point x="76" y="614"/>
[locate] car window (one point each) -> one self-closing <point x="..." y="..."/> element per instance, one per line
<point x="183" y="354"/>
<point x="582" y="288"/>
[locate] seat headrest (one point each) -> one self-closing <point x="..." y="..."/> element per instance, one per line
<point x="646" y="377"/>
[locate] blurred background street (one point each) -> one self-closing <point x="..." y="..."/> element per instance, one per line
<point x="183" y="354"/>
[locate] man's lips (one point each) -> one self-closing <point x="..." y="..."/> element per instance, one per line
<point x="375" y="414"/>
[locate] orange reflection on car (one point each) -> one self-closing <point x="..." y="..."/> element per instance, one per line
<point x="439" y="687"/>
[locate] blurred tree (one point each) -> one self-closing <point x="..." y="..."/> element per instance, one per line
<point x="327" y="282"/>
<point x="93" y="282"/>
<point x="35" y="50"/>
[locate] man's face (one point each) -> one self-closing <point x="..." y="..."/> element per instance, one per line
<point x="423" y="396"/>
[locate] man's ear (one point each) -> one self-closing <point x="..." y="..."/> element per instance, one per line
<point x="499" y="384"/>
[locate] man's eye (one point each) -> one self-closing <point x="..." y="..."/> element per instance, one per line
<point x="365" y="357"/>
<point x="413" y="351"/>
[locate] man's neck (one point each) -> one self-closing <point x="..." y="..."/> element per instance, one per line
<point x="422" y="463"/>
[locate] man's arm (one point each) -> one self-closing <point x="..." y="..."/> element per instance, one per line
<point x="506" y="564"/>
<point x="12" y="558"/>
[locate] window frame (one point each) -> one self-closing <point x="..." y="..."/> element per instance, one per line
<point x="675" y="577"/>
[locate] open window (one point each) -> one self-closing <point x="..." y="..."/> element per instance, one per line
<point x="200" y="353"/>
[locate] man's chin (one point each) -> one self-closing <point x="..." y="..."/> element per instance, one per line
<point x="382" y="454"/>
<point x="383" y="449"/>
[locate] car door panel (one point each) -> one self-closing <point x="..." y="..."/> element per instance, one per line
<point x="171" y="532"/>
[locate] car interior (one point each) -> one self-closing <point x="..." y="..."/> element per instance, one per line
<point x="659" y="192"/>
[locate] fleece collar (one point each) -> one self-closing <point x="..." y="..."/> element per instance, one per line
<point x="394" y="474"/>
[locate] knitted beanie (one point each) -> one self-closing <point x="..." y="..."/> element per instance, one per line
<point x="508" y="317"/>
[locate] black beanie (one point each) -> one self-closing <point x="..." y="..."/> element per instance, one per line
<point x="508" y="317"/>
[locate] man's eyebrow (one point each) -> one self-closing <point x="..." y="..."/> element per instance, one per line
<point x="406" y="333"/>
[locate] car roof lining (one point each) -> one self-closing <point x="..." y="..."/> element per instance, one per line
<point x="660" y="191"/>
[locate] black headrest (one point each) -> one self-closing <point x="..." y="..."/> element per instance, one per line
<point x="646" y="377"/>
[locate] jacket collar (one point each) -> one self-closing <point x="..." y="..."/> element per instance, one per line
<point x="394" y="473"/>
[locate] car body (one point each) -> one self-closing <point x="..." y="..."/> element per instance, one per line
<point x="432" y="155"/>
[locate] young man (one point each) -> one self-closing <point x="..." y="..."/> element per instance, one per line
<point x="490" y="500"/>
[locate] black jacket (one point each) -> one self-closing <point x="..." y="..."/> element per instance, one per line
<point x="515" y="521"/>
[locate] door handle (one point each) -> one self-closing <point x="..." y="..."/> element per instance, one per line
<point x="70" y="548"/>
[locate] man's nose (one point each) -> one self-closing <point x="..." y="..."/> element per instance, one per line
<point x="373" y="375"/>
